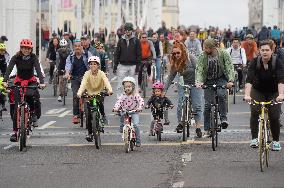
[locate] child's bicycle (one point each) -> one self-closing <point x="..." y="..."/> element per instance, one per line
<point x="156" y="124"/>
<point x="128" y="134"/>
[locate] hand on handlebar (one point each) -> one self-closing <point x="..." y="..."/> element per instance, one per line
<point x="42" y="86"/>
<point x="280" y="98"/>
<point x="199" y="85"/>
<point x="247" y="98"/>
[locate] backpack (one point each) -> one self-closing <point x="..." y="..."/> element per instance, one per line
<point x="258" y="64"/>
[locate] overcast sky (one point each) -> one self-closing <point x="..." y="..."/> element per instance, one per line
<point x="220" y="13"/>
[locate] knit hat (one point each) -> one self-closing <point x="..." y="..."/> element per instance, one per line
<point x="210" y="43"/>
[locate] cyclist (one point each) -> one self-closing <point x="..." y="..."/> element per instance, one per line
<point x="250" y="47"/>
<point x="63" y="53"/>
<point x="130" y="100"/>
<point x="166" y="49"/>
<point x="76" y="66"/>
<point x="52" y="57"/>
<point x="238" y="55"/>
<point x="26" y="62"/>
<point x="214" y="66"/>
<point x="159" y="54"/>
<point x="95" y="82"/>
<point x="184" y="64"/>
<point x="127" y="56"/>
<point x="87" y="47"/>
<point x="193" y="44"/>
<point x="265" y="82"/>
<point x="66" y="36"/>
<point x="148" y="54"/>
<point x="158" y="100"/>
<point x="4" y="58"/>
<point x="104" y="59"/>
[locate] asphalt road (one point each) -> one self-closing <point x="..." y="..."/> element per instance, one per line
<point x="59" y="156"/>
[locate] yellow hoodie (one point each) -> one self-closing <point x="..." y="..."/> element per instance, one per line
<point x="94" y="84"/>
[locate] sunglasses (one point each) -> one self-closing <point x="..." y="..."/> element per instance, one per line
<point x="175" y="53"/>
<point x="143" y="37"/>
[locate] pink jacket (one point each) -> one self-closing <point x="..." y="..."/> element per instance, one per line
<point x="131" y="102"/>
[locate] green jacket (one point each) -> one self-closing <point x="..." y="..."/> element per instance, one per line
<point x="225" y="64"/>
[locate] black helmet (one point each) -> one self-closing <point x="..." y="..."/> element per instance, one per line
<point x="128" y="26"/>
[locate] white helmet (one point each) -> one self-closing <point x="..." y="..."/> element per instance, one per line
<point x="63" y="42"/>
<point x="94" y="59"/>
<point x="129" y="79"/>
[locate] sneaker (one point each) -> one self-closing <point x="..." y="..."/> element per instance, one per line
<point x="207" y="134"/>
<point x="59" y="99"/>
<point x="151" y="133"/>
<point x="276" y="146"/>
<point x="13" y="138"/>
<point x="179" y="128"/>
<point x="104" y="120"/>
<point x="254" y="143"/>
<point x="89" y="138"/>
<point x="167" y="122"/>
<point x="75" y="120"/>
<point x="224" y="124"/>
<point x="198" y="132"/>
<point x="138" y="144"/>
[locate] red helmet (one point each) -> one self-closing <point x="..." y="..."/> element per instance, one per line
<point x="158" y="85"/>
<point x="26" y="43"/>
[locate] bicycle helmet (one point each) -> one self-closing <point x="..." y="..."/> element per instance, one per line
<point x="63" y="42"/>
<point x="94" y="59"/>
<point x="2" y="46"/>
<point x="129" y="79"/>
<point x="26" y="43"/>
<point x="158" y="85"/>
<point x="128" y="27"/>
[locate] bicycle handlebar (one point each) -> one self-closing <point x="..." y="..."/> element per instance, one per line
<point x="85" y="95"/>
<point x="265" y="103"/>
<point x="214" y="86"/>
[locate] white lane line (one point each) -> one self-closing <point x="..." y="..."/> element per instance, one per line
<point x="64" y="113"/>
<point x="9" y="146"/>
<point x="46" y="125"/>
<point x="113" y="79"/>
<point x="178" y="184"/>
<point x="55" y="111"/>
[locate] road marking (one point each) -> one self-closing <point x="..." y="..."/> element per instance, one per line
<point x="186" y="157"/>
<point x="9" y="146"/>
<point x="178" y="184"/>
<point x="46" y="125"/>
<point x="64" y="113"/>
<point x="113" y="79"/>
<point x="55" y="111"/>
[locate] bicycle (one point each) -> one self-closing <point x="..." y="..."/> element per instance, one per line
<point x="153" y="72"/>
<point x="23" y="116"/>
<point x="94" y="116"/>
<point x="264" y="134"/>
<point x="236" y="87"/>
<point x="214" y="126"/>
<point x="158" y="114"/>
<point x="162" y="74"/>
<point x="128" y="134"/>
<point x="144" y="83"/>
<point x="55" y="81"/>
<point x="65" y="90"/>
<point x="83" y="112"/>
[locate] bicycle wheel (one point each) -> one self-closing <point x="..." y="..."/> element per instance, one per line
<point x="65" y="89"/>
<point x="153" y="74"/>
<point x="131" y="145"/>
<point x="268" y="142"/>
<point x="261" y="145"/>
<point x="159" y="135"/>
<point x="144" y="85"/>
<point x="234" y="91"/>
<point x="55" y="84"/>
<point x="127" y="140"/>
<point x="96" y="130"/>
<point x="22" y="131"/>
<point x="213" y="128"/>
<point x="184" y="120"/>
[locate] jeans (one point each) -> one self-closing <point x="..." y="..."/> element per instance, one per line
<point x="209" y="98"/>
<point x="75" y="85"/>
<point x="122" y="72"/>
<point x="196" y="99"/>
<point x="158" y="69"/>
<point x="135" y="122"/>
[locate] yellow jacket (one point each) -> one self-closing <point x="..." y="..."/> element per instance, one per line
<point x="94" y="84"/>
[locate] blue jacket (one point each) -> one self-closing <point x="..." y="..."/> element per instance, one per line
<point x="70" y="60"/>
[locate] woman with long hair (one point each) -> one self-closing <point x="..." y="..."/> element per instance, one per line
<point x="183" y="64"/>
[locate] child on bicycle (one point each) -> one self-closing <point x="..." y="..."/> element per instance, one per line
<point x="94" y="82"/>
<point x="130" y="100"/>
<point x="158" y="101"/>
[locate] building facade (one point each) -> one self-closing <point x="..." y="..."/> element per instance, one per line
<point x="170" y="13"/>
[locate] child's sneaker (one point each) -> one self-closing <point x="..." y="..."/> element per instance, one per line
<point x="254" y="143"/>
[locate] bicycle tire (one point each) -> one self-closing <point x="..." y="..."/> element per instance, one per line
<point x="268" y="142"/>
<point x="261" y="145"/>
<point x="159" y="136"/>
<point x="213" y="127"/>
<point x="189" y="122"/>
<point x="126" y="140"/>
<point x="81" y="118"/>
<point x="55" y="84"/>
<point x="144" y="85"/>
<point x="184" y="123"/>
<point x="154" y="75"/>
<point x="65" y="90"/>
<point x="22" y="132"/>
<point x="234" y="91"/>
<point x="131" y="145"/>
<point x="96" y="130"/>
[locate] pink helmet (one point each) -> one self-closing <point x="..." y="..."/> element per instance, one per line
<point x="158" y="85"/>
<point x="26" y="43"/>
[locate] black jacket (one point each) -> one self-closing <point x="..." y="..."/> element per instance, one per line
<point x="127" y="54"/>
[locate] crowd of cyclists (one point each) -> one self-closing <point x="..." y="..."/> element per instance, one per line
<point x="200" y="57"/>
